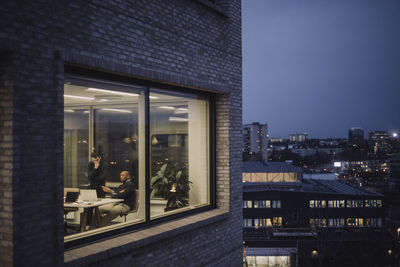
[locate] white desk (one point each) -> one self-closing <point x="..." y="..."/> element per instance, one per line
<point x="86" y="205"/>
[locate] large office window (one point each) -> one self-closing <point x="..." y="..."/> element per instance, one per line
<point x="247" y="204"/>
<point x="317" y="203"/>
<point x="288" y="177"/>
<point x="267" y="261"/>
<point x="132" y="127"/>
<point x="107" y="119"/>
<point x="179" y="152"/>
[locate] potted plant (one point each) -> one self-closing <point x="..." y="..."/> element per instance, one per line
<point x="172" y="184"/>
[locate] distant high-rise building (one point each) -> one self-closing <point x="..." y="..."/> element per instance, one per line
<point x="275" y="140"/>
<point x="394" y="164"/>
<point x="356" y="135"/>
<point x="298" y="137"/>
<point x="379" y="143"/>
<point x="255" y="139"/>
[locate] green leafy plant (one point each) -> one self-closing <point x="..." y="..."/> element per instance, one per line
<point x="172" y="184"/>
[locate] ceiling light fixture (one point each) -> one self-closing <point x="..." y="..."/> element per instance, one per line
<point x="166" y="107"/>
<point x="111" y="92"/>
<point x="181" y="111"/>
<point x="79" y="97"/>
<point x="178" y="119"/>
<point x="117" y="110"/>
<point x="105" y="98"/>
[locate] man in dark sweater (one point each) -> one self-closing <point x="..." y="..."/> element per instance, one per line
<point x="127" y="192"/>
<point x="97" y="174"/>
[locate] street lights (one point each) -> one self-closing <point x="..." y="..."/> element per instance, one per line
<point x="314" y="257"/>
<point x="314" y="254"/>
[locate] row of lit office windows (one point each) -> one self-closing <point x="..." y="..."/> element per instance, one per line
<point x="275" y="204"/>
<point x="263" y="222"/>
<point x="342" y="222"/>
<point x="359" y="203"/>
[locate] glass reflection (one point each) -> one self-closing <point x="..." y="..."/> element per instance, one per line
<point x="179" y="152"/>
<point x="109" y="121"/>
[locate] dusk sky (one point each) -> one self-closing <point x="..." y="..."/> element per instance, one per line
<point x="321" y="67"/>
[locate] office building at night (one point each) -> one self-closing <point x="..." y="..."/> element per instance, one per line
<point x="271" y="172"/>
<point x="255" y="140"/>
<point x="154" y="88"/>
<point x="379" y="144"/>
<point x="298" y="138"/>
<point x="315" y="222"/>
<point x="356" y="136"/>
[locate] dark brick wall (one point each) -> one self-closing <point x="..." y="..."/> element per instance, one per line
<point x="179" y="42"/>
<point x="190" y="249"/>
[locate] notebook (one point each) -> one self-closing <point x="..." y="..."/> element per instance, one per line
<point x="71" y="197"/>
<point x="88" y="195"/>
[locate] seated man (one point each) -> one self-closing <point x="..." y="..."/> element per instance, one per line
<point x="126" y="191"/>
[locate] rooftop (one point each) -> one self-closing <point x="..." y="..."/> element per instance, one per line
<point x="313" y="186"/>
<point x="270" y="167"/>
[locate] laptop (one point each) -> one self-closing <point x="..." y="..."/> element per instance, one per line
<point x="71" y="197"/>
<point x="88" y="195"/>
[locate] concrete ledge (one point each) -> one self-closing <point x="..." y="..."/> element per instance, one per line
<point x="115" y="246"/>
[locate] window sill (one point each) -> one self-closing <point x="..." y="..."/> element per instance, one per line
<point x="114" y="246"/>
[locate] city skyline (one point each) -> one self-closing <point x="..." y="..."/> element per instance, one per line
<point x="394" y="133"/>
<point x="321" y="67"/>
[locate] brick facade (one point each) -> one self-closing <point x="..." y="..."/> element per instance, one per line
<point x="182" y="42"/>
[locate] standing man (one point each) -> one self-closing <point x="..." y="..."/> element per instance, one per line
<point x="97" y="174"/>
<point x="127" y="192"/>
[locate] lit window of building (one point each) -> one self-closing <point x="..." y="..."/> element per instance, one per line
<point x="247" y="204"/>
<point x="271" y="172"/>
<point x="318" y="203"/>
<point x="110" y="118"/>
<point x="276" y="204"/>
<point x="281" y="261"/>
<point x="247" y="222"/>
<point x="318" y="222"/>
<point x="277" y="221"/>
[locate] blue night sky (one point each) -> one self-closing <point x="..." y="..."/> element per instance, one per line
<point x="321" y="67"/>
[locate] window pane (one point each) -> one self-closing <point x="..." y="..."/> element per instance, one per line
<point x="108" y="119"/>
<point x="179" y="152"/>
<point x="76" y="146"/>
<point x="116" y="137"/>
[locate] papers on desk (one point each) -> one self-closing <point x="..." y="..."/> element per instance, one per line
<point x="89" y="204"/>
<point x="85" y="203"/>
